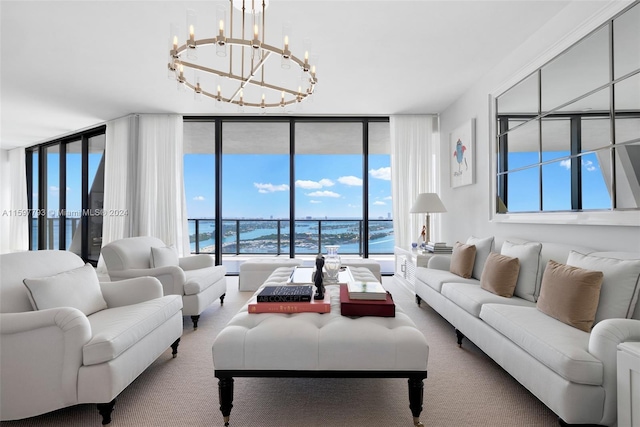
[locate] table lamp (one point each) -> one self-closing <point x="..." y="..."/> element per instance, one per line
<point x="427" y="203"/>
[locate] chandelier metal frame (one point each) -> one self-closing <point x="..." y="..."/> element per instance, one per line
<point x="261" y="53"/>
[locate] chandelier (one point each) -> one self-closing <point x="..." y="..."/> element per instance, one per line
<point x="237" y="66"/>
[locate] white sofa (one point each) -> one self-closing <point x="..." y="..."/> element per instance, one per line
<point x="571" y="371"/>
<point x="58" y="356"/>
<point x="195" y="277"/>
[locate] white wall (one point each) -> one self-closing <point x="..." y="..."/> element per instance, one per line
<point x="469" y="207"/>
<point x="4" y="200"/>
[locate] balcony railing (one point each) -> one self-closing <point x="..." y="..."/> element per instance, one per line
<point x="272" y="236"/>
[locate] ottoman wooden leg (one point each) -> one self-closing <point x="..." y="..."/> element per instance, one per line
<point x="416" y="394"/>
<point x="225" y="395"/>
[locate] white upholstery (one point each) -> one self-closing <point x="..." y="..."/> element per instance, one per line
<point x="59" y="357"/>
<point x="254" y="272"/>
<point x="371" y="264"/>
<point x="571" y="371"/>
<point x="313" y="341"/>
<point x="196" y="279"/>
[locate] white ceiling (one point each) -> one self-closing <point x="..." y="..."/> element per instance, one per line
<point x="69" y="65"/>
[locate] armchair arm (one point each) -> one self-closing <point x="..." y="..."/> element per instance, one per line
<point x="171" y="277"/>
<point x="195" y="262"/>
<point x="131" y="291"/>
<point x="41" y="350"/>
<point x="603" y="344"/>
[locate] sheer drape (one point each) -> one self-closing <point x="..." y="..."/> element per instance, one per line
<point x="159" y="205"/>
<point x="18" y="224"/>
<point x="119" y="177"/>
<point x="144" y="177"/>
<point x="414" y="168"/>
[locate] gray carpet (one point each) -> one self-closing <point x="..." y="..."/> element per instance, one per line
<point x="464" y="387"/>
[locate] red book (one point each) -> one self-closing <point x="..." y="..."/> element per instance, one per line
<point x="313" y="306"/>
<point x="360" y="307"/>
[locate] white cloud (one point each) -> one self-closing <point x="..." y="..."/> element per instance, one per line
<point x="379" y="203"/>
<point x="566" y="164"/>
<point x="315" y="201"/>
<point x="54" y="188"/>
<point x="350" y="180"/>
<point x="387" y="198"/>
<point x="588" y="164"/>
<point x="270" y="188"/>
<point x="323" y="194"/>
<point x="314" y="185"/>
<point x="199" y="198"/>
<point x="382" y="173"/>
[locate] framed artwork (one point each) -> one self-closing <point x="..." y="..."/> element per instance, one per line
<point x="461" y="153"/>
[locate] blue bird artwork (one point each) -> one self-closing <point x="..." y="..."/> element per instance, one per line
<point x="459" y="155"/>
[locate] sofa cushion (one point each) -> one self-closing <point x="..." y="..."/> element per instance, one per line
<point x="484" y="246"/>
<point x="436" y="278"/>
<point x="462" y="259"/>
<point x="471" y="297"/>
<point x="78" y="288"/>
<point x="500" y="274"/>
<point x="620" y="284"/>
<point x="570" y="294"/>
<point x="529" y="256"/>
<point x="119" y="328"/>
<point x="560" y="347"/>
<point x="198" y="280"/>
<point x="164" y="257"/>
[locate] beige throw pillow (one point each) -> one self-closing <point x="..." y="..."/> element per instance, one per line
<point x="462" y="259"/>
<point x="570" y="294"/>
<point x="500" y="274"/>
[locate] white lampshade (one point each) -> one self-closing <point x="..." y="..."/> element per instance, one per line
<point x="427" y="203"/>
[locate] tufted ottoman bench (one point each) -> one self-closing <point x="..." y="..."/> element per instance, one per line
<point x="254" y="272"/>
<point x="320" y="346"/>
<point x="372" y="265"/>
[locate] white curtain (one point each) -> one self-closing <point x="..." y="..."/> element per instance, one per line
<point x="159" y="206"/>
<point x="18" y="224"/>
<point x="119" y="178"/>
<point x="414" y="169"/>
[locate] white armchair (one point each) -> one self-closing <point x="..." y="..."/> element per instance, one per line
<point x="195" y="277"/>
<point x="56" y="351"/>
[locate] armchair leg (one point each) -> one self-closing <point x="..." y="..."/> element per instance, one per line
<point x="105" y="410"/>
<point x="222" y="299"/>
<point x="174" y="347"/>
<point x="195" y="319"/>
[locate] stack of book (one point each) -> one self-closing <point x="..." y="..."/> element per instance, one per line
<point x="438" y="248"/>
<point x="289" y="299"/>
<point x="366" y="299"/>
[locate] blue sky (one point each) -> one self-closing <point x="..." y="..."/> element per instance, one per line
<point x="257" y="186"/>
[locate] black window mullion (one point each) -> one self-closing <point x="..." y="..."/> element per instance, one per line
<point x="576" y="170"/>
<point x="62" y="238"/>
<point x="42" y="198"/>
<point x="365" y="189"/>
<point x="218" y="189"/>
<point x="84" y="241"/>
<point x="292" y="191"/>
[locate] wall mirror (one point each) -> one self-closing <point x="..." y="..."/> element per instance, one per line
<point x="568" y="134"/>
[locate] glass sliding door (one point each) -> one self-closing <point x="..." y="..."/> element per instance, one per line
<point x="380" y="232"/>
<point x="328" y="186"/>
<point x="200" y="184"/>
<point x="95" y="148"/>
<point x="73" y="211"/>
<point x="255" y="187"/>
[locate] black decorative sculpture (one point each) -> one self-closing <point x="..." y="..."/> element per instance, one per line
<point x="317" y="278"/>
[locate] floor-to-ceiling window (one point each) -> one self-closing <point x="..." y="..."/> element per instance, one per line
<point x="65" y="182"/>
<point x="329" y="176"/>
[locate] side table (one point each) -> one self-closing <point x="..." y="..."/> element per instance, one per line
<point x="629" y="384"/>
<point x="406" y="262"/>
